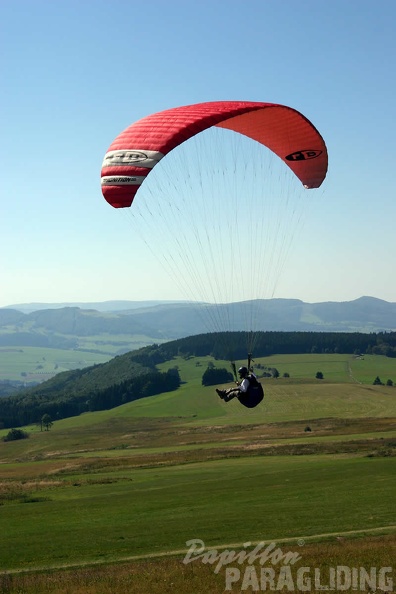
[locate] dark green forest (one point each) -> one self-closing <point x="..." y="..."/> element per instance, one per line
<point x="134" y="375"/>
<point x="233" y="345"/>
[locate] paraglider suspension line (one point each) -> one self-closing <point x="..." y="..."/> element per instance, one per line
<point x="233" y="367"/>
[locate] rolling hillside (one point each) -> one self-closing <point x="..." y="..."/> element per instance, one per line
<point x="136" y="375"/>
<point x="140" y="479"/>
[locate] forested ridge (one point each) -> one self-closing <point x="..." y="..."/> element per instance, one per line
<point x="232" y="345"/>
<point x="134" y="375"/>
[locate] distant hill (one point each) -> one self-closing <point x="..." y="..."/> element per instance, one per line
<point x="104" y="306"/>
<point x="116" y="323"/>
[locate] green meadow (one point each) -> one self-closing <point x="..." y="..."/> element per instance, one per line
<point x="105" y="502"/>
<point x="36" y="364"/>
<point x="39" y="363"/>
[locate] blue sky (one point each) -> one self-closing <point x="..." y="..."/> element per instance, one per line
<point x="76" y="73"/>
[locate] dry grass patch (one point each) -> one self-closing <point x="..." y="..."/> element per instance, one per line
<point x="25" y="491"/>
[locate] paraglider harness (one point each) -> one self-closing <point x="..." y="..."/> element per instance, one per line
<point x="255" y="392"/>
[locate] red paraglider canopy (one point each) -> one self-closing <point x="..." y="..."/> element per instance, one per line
<point x="142" y="145"/>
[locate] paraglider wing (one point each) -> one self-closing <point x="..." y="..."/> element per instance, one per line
<point x="285" y="131"/>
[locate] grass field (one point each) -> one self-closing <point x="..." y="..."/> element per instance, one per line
<point x="170" y="574"/>
<point x="117" y="512"/>
<point x="39" y="364"/>
<point x="117" y="494"/>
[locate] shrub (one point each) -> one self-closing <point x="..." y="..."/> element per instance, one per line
<point x="15" y="434"/>
<point x="214" y="376"/>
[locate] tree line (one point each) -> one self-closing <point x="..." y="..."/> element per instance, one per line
<point x="233" y="345"/>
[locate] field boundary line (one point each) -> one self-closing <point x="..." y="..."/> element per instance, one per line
<point x="300" y="540"/>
